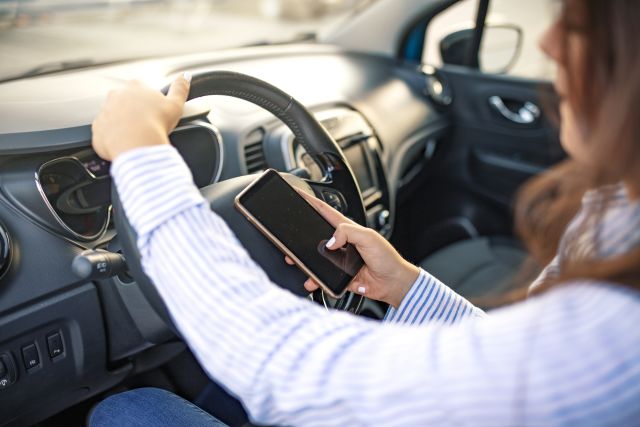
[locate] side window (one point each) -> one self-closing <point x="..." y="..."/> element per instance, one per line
<point x="510" y="41"/>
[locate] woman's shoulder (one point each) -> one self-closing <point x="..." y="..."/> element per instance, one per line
<point x="605" y="226"/>
<point x="590" y="296"/>
<point x="571" y="304"/>
<point x="615" y="194"/>
<point x="583" y="289"/>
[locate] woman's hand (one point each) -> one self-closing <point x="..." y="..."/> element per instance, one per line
<point x="386" y="276"/>
<point x="138" y="116"/>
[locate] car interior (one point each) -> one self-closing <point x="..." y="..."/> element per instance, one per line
<point x="428" y="152"/>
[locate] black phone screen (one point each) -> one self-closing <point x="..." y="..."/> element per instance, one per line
<point x="295" y="223"/>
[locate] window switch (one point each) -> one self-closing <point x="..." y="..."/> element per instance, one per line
<point x="55" y="345"/>
<point x="30" y="356"/>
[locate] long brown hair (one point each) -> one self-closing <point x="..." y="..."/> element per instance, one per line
<point x="604" y="89"/>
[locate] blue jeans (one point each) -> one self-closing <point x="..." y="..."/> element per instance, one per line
<point x="150" y="407"/>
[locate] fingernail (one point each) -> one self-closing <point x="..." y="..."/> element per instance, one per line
<point x="331" y="242"/>
<point x="361" y="290"/>
<point x="187" y="76"/>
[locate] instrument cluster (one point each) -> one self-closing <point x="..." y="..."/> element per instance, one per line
<point x="77" y="191"/>
<point x="76" y="188"/>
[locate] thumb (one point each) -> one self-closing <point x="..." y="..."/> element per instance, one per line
<point x="350" y="233"/>
<point x="179" y="89"/>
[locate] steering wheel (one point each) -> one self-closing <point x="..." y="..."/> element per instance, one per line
<point x="337" y="184"/>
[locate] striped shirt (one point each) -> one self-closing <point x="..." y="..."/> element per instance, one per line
<point x="588" y="236"/>
<point x="570" y="356"/>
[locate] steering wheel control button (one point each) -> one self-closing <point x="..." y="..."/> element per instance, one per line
<point x="55" y="345"/>
<point x="333" y="200"/>
<point x="8" y="371"/>
<point x="30" y="357"/>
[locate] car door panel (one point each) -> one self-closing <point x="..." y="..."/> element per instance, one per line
<point x="471" y="182"/>
<point x="502" y="154"/>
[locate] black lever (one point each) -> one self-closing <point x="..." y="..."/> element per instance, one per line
<point x="96" y="264"/>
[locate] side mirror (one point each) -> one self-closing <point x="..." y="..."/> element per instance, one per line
<point x="499" y="49"/>
<point x="454" y="47"/>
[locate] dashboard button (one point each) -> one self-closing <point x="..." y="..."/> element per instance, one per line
<point x="55" y="345"/>
<point x="30" y="356"/>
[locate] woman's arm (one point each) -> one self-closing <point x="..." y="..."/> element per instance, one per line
<point x="567" y="357"/>
<point x="414" y="296"/>
<point x="293" y="363"/>
<point x="431" y="301"/>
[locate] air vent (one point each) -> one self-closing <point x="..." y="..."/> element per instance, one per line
<point x="253" y="152"/>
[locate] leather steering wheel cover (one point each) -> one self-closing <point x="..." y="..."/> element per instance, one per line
<point x="297" y="118"/>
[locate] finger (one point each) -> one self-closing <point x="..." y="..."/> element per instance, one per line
<point x="288" y="260"/>
<point x="350" y="233"/>
<point x="310" y="285"/>
<point x="179" y="89"/>
<point x="332" y="216"/>
<point x="96" y="139"/>
<point x="358" y="287"/>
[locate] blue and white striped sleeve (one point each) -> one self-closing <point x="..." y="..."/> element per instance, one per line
<point x="430" y="300"/>
<point x="565" y="358"/>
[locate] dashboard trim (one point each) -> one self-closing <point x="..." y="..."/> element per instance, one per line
<point x="86" y="238"/>
<point x="59" y="220"/>
<point x="218" y="137"/>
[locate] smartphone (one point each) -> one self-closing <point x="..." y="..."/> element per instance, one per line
<point x="297" y="229"/>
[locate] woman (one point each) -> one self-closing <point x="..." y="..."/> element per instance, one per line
<point x="568" y="355"/>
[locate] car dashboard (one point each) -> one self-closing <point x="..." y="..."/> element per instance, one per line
<point x="64" y="339"/>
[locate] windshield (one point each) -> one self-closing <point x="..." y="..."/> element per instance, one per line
<point x="39" y="36"/>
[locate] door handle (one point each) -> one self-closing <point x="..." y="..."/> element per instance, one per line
<point x="527" y="114"/>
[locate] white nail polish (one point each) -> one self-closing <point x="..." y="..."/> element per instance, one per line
<point x="187" y="76"/>
<point x="361" y="290"/>
<point x="331" y="242"/>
